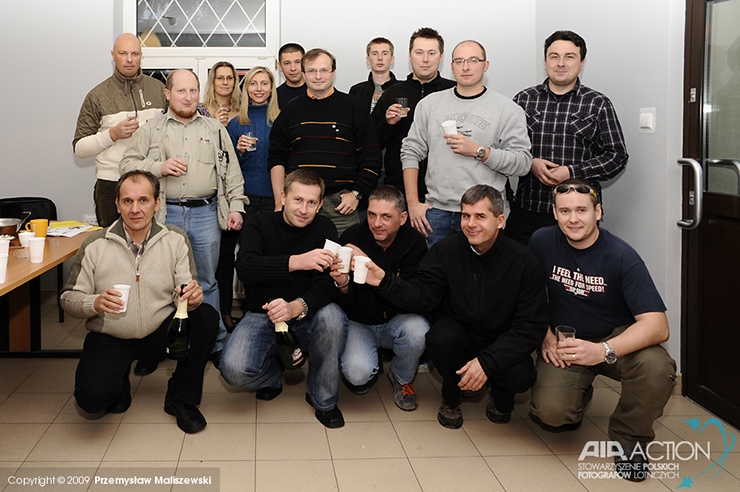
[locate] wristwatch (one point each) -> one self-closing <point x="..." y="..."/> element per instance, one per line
<point x="357" y="194"/>
<point x="611" y="356"/>
<point x="480" y="153"/>
<point x="305" y="309"/>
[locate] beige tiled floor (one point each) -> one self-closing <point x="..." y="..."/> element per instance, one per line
<point x="279" y="446"/>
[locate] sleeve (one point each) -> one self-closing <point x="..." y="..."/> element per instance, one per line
<point x="610" y="152"/>
<point x="382" y="127"/>
<point x="510" y="154"/>
<point x="234" y="185"/>
<point x="638" y="288"/>
<point x="79" y="293"/>
<point x="252" y="265"/>
<point x="369" y="156"/>
<point x="322" y="290"/>
<point x="136" y="155"/>
<point x="279" y="141"/>
<point x="415" y="147"/>
<point x="235" y="131"/>
<point x="89" y="139"/>
<point x="528" y="326"/>
<point x="185" y="270"/>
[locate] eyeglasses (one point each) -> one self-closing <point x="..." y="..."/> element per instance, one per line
<point x="470" y="61"/>
<point x="578" y="188"/>
<point x="221" y="78"/>
<point x="323" y="71"/>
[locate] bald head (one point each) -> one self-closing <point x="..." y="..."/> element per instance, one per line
<point x="127" y="55"/>
<point x="182" y="91"/>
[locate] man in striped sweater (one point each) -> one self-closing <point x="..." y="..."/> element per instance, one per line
<point x="330" y="133"/>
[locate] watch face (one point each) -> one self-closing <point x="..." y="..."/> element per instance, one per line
<point x="481" y="153"/>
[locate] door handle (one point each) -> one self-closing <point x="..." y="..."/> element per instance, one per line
<point x="691" y="224"/>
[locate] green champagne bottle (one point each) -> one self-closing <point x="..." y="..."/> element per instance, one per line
<point x="288" y="348"/>
<point x="178" y="333"/>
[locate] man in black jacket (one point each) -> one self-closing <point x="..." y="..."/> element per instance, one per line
<point x="374" y="322"/>
<point x="380" y="58"/>
<point x="492" y="308"/>
<point x="426" y="50"/>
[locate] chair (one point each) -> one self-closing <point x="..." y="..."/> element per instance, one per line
<point x="40" y="208"/>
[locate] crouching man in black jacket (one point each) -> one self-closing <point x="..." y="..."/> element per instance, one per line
<point x="487" y="296"/>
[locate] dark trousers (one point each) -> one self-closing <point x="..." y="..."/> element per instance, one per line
<point x="451" y="347"/>
<point x="522" y="223"/>
<point x="104" y="196"/>
<point x="102" y="374"/>
<point x="229" y="240"/>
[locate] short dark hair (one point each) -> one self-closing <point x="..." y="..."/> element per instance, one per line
<point x="577" y="181"/>
<point x="379" y="41"/>
<point x="290" y="48"/>
<point x="311" y="55"/>
<point x="170" y="76"/>
<point x="136" y="176"/>
<point x="567" y="36"/>
<point x="389" y="193"/>
<point x="482" y="192"/>
<point x="304" y="177"/>
<point x="427" y="33"/>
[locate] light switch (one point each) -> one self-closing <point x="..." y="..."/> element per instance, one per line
<point x="647" y="120"/>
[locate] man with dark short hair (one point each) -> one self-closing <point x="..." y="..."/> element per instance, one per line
<point x="426" y="51"/>
<point x="155" y="260"/>
<point x="289" y="61"/>
<point x="380" y="59"/>
<point x="487" y="144"/>
<point x="600" y="286"/>
<point x="575" y="133"/>
<point x="330" y="133"/>
<point x="285" y="270"/>
<point x="110" y="115"/>
<point x="391" y="243"/>
<point x="201" y="182"/>
<point x="487" y="296"/>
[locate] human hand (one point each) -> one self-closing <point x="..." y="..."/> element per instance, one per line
<point x="124" y="129"/>
<point x="339" y="277"/>
<point x="348" y="204"/>
<point x="317" y="259"/>
<point x="472" y="376"/>
<point x="173" y="167"/>
<point x="581" y="352"/>
<point x="234" y="221"/>
<point x="193" y="293"/>
<point x="375" y="274"/>
<point x="222" y="114"/>
<point x="543" y="170"/>
<point x="460" y="144"/>
<point x="418" y="216"/>
<point x="245" y="142"/>
<point x="550" y="352"/>
<point x="109" y="301"/>
<point x="393" y="114"/>
<point x="281" y="310"/>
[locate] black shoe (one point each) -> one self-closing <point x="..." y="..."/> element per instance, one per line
<point x="267" y="394"/>
<point x="145" y="367"/>
<point x="332" y="419"/>
<point x="494" y="415"/>
<point x="215" y="357"/>
<point x="124" y="401"/>
<point x="189" y="418"/>
<point x="634" y="469"/>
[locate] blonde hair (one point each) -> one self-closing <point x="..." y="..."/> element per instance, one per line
<point x="209" y="99"/>
<point x="272" y="103"/>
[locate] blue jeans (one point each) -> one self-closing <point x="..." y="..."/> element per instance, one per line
<point x="404" y="333"/>
<point x="443" y="224"/>
<point x="201" y="226"/>
<point x="250" y="358"/>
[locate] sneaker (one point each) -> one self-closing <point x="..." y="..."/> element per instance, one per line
<point x="634" y="469"/>
<point x="403" y="394"/>
<point x="450" y="417"/>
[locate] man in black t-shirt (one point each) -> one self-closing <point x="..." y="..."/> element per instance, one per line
<point x="600" y="286"/>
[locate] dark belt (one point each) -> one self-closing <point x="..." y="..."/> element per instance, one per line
<point x="193" y="202"/>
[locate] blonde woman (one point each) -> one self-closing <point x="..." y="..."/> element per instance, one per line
<point x="222" y="95"/>
<point x="258" y="110"/>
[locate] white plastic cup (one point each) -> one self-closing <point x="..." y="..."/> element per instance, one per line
<point x="332" y="246"/>
<point x="345" y="254"/>
<point x="449" y="127"/>
<point x="3" y="266"/>
<point x="361" y="269"/>
<point x="4" y="246"/>
<point x="23" y="237"/>
<point x="36" y="248"/>
<point x="125" y="290"/>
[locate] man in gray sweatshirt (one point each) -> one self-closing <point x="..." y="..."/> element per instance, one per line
<point x="490" y="144"/>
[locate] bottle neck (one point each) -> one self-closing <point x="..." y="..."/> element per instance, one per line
<point x="281" y="326"/>
<point x="182" y="309"/>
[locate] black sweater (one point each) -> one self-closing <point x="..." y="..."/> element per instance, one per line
<point x="499" y="297"/>
<point x="365" y="90"/>
<point x="266" y="244"/>
<point x="363" y="303"/>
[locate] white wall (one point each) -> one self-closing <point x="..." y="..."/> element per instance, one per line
<point x="635" y="57"/>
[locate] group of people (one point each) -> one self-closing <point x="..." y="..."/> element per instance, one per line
<point x="281" y="170"/>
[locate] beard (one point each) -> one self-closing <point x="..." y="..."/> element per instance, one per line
<point x="184" y="114"/>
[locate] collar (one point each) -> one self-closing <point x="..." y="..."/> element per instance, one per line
<point x="124" y="80"/>
<point x="308" y="92"/>
<point x="460" y="96"/>
<point x="171" y="116"/>
<point x="544" y="87"/>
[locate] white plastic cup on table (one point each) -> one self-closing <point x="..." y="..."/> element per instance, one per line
<point x="36" y="249"/>
<point x="23" y="237"/>
<point x="4" y="246"/>
<point x="361" y="269"/>
<point x="3" y="266"/>
<point x="404" y="102"/>
<point x="345" y="254"/>
<point x="125" y="290"/>
<point x="449" y="127"/>
<point x="252" y="142"/>
<point x="332" y="246"/>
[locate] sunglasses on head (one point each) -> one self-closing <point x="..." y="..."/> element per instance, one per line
<point x="578" y="188"/>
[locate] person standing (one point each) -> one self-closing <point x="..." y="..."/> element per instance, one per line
<point x="222" y="97"/>
<point x="380" y="58"/>
<point x="289" y="61"/>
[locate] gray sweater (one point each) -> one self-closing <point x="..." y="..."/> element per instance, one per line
<point x="490" y="120"/>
